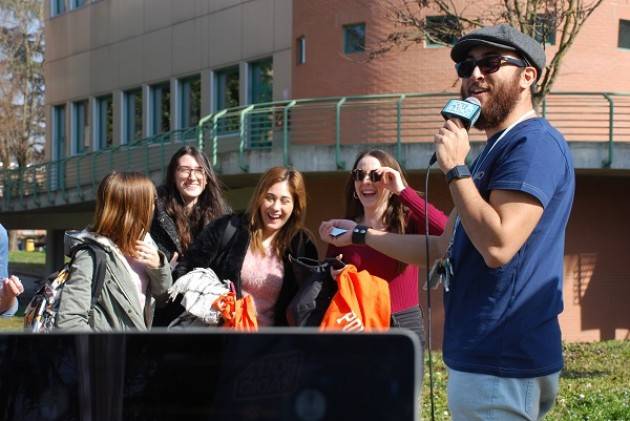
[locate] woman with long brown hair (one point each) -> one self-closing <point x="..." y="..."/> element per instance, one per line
<point x="190" y="198"/>
<point x="378" y="196"/>
<point x="136" y="271"/>
<point x="255" y="257"/>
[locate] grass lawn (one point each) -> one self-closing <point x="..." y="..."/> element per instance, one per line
<point x="594" y="385"/>
<point x="28" y="257"/>
<point x="32" y="262"/>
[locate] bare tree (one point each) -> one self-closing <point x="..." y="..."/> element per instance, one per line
<point x="21" y="81"/>
<point x="549" y="21"/>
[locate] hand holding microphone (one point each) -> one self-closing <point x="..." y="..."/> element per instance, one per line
<point x="451" y="141"/>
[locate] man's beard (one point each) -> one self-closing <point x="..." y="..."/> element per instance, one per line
<point x="499" y="104"/>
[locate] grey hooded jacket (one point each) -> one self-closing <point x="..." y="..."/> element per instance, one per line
<point x="118" y="305"/>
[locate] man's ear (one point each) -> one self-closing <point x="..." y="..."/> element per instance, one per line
<point x="528" y="77"/>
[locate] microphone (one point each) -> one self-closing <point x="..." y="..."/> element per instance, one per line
<point x="467" y="111"/>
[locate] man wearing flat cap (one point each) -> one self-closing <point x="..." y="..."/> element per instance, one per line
<point x="502" y="341"/>
<point x="504" y="244"/>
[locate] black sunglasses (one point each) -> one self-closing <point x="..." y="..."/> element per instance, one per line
<point x="359" y="175"/>
<point x="486" y="65"/>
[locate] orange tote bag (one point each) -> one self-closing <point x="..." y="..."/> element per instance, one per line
<point x="238" y="314"/>
<point x="361" y="303"/>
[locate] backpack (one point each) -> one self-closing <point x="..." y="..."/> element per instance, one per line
<point x="41" y="312"/>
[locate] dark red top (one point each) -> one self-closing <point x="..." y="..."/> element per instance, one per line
<point x="403" y="286"/>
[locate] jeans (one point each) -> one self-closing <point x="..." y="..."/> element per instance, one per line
<point x="473" y="396"/>
<point x="411" y="319"/>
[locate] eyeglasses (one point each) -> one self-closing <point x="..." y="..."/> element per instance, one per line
<point x="187" y="171"/>
<point x="486" y="65"/>
<point x="359" y="175"/>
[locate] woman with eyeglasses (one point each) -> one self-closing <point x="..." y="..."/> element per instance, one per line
<point x="255" y="256"/>
<point x="190" y="198"/>
<point x="379" y="197"/>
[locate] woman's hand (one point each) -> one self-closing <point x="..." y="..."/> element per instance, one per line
<point x="342" y="240"/>
<point x="11" y="288"/>
<point x="391" y="179"/>
<point x="147" y="255"/>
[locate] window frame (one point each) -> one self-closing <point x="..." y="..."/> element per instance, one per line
<point x="79" y="132"/>
<point x="101" y="115"/>
<point x="130" y="123"/>
<point x="626" y="24"/>
<point x="347" y="28"/>
<point x="184" y="103"/>
<point x="439" y="20"/>
<point x="155" y="119"/>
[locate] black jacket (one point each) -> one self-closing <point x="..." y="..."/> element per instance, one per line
<point x="164" y="231"/>
<point x="227" y="263"/>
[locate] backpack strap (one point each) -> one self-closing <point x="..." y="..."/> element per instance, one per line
<point x="99" y="258"/>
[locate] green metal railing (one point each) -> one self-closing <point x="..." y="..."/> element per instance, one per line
<point x="394" y="119"/>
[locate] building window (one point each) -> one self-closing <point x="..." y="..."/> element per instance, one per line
<point x="301" y="50"/>
<point x="59" y="131"/>
<point x="441" y="30"/>
<point x="59" y="145"/>
<point x="160" y="108"/>
<point x="104" y="122"/>
<point x="80" y="137"/>
<point x="354" y="38"/>
<point x="545" y="29"/>
<point x="261" y="81"/>
<point x="226" y="88"/>
<point x="189" y="101"/>
<point x="624" y="33"/>
<point x="259" y="126"/>
<point x="132" y="117"/>
<point x="57" y="7"/>
<point x="74" y="4"/>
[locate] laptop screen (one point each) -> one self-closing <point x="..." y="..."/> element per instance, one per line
<point x="281" y="374"/>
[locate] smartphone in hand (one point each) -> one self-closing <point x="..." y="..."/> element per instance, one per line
<point x="336" y="232"/>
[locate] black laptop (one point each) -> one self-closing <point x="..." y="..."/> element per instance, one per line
<point x="282" y="374"/>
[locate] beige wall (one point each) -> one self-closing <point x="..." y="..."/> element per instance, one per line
<point x="109" y="46"/>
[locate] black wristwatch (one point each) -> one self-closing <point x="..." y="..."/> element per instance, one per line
<point x="457" y="172"/>
<point x="358" y="234"/>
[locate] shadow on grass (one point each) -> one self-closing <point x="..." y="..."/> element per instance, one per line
<point x="578" y="374"/>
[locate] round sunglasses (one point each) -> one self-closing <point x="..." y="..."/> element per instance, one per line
<point x="359" y="175"/>
<point x="486" y="65"/>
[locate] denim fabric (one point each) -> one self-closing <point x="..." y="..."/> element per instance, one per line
<point x="4" y="253"/>
<point x="4" y="268"/>
<point x="473" y="396"/>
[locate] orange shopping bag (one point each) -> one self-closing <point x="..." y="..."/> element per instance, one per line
<point x="361" y="304"/>
<point x="238" y="314"/>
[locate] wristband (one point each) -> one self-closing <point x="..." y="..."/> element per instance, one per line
<point x="358" y="234"/>
<point x="457" y="172"/>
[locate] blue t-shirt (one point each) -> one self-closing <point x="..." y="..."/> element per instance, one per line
<point x="504" y="321"/>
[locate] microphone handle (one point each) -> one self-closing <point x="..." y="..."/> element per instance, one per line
<point x="433" y="159"/>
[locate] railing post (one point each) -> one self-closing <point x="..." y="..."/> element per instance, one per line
<point x="285" y="128"/>
<point x="241" y="149"/>
<point x="611" y="130"/>
<point x="340" y="164"/>
<point x="399" y="129"/>
<point x="200" y="125"/>
<point x="215" y="136"/>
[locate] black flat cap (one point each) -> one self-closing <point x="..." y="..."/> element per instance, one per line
<point x="502" y="36"/>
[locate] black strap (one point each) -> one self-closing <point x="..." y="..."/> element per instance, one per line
<point x="99" y="257"/>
